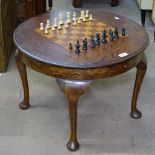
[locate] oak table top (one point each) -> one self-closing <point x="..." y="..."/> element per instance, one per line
<point x="50" y="55"/>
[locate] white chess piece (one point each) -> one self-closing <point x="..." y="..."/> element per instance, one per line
<point x="84" y="19"/>
<point x="60" y="19"/>
<point x="55" y="23"/>
<point x="53" y="28"/>
<point x="79" y="20"/>
<point x="87" y="13"/>
<point x="48" y="24"/>
<point x="75" y="22"/>
<point x="82" y="14"/>
<point x="59" y="27"/>
<point x="68" y="18"/>
<point x="66" y="25"/>
<point x="90" y="17"/>
<point x="42" y="26"/>
<point x="46" y="30"/>
<point x="74" y="16"/>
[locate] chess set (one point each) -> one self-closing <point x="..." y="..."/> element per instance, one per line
<point x="80" y="33"/>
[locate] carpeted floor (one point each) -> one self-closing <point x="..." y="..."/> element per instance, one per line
<point x="104" y="124"/>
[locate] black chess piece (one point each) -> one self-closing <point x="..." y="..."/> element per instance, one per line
<point x="123" y="32"/>
<point x="98" y="38"/>
<point x="70" y="46"/>
<point x="104" y="36"/>
<point x="77" y="47"/>
<point x="111" y="36"/>
<point x="110" y="31"/>
<point x="116" y="33"/>
<point x="104" y="33"/>
<point x="92" y="41"/>
<point x="84" y="46"/>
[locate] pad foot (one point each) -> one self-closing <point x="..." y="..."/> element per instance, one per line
<point x="136" y="114"/>
<point x="73" y="146"/>
<point x="24" y="106"/>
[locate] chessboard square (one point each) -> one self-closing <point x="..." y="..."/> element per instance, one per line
<point x="59" y="41"/>
<point x="89" y="23"/>
<point x="73" y="37"/>
<point x="61" y="36"/>
<point x="99" y="28"/>
<point x="112" y="28"/>
<point x="87" y="33"/>
<point x="100" y="24"/>
<point x="88" y="28"/>
<point x="73" y="42"/>
<point x="75" y="32"/>
<point x="77" y="27"/>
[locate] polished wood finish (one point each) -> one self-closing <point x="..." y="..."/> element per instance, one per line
<point x="74" y="72"/>
<point x="78" y="3"/>
<point x="141" y="70"/>
<point x="73" y="90"/>
<point x="22" y="70"/>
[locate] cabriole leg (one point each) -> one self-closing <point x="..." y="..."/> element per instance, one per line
<point x="22" y="71"/>
<point x="73" y="90"/>
<point x="141" y="70"/>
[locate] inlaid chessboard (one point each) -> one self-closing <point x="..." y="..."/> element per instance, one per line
<point x="79" y="32"/>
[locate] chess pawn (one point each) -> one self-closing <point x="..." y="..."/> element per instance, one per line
<point x="75" y="22"/>
<point x="48" y="24"/>
<point x="70" y="46"/>
<point x="42" y="26"/>
<point x="46" y="30"/>
<point x="84" y="19"/>
<point x="87" y="13"/>
<point x="90" y="17"/>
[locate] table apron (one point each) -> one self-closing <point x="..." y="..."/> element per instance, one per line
<point x="79" y="73"/>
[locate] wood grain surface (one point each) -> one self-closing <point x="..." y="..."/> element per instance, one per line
<point x="43" y="49"/>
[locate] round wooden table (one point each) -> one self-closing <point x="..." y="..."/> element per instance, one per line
<point x="75" y="72"/>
